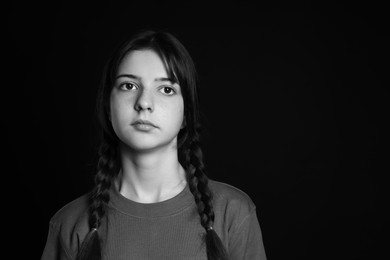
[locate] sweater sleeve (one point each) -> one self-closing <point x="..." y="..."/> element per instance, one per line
<point x="247" y="242"/>
<point x="54" y="248"/>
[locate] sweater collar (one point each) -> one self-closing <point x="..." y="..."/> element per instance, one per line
<point x="172" y="206"/>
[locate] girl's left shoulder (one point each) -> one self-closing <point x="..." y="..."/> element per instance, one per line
<point x="226" y="196"/>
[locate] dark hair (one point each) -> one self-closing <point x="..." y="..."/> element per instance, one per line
<point x="180" y="67"/>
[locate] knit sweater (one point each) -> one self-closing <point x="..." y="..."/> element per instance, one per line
<point x="169" y="229"/>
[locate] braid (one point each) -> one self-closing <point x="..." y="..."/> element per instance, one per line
<point x="103" y="180"/>
<point x="99" y="198"/>
<point x="198" y="184"/>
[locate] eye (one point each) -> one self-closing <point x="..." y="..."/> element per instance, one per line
<point x="167" y="90"/>
<point x="127" y="86"/>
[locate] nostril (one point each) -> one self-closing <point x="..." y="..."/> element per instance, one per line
<point x="144" y="103"/>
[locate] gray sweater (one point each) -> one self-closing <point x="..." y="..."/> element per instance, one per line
<point x="165" y="230"/>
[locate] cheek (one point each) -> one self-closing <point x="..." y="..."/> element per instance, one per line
<point x="118" y="112"/>
<point x="179" y="111"/>
<point x="174" y="114"/>
<point x="180" y="116"/>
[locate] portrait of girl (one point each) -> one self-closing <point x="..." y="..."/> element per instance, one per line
<point x="152" y="198"/>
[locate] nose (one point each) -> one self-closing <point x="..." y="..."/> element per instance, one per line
<point x="144" y="101"/>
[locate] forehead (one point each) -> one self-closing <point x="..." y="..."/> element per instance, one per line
<point x="143" y="63"/>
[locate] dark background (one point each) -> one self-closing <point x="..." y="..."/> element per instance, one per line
<point x="292" y="97"/>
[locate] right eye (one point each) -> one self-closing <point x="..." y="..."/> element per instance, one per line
<point x="127" y="86"/>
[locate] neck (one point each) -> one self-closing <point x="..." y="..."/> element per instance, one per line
<point x="152" y="176"/>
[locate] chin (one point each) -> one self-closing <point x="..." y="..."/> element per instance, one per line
<point x="144" y="146"/>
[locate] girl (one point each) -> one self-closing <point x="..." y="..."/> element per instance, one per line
<point x="152" y="199"/>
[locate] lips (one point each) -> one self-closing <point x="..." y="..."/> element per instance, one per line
<point x="141" y="122"/>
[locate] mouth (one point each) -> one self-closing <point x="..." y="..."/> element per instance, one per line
<point x="143" y="123"/>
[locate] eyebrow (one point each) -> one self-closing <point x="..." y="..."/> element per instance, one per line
<point x="131" y="76"/>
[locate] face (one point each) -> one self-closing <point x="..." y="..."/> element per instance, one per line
<point x="146" y="107"/>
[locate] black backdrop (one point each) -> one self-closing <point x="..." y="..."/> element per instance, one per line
<point x="292" y="98"/>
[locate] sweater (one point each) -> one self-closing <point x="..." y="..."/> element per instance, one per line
<point x="169" y="229"/>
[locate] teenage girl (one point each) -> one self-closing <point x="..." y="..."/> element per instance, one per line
<point x="152" y="198"/>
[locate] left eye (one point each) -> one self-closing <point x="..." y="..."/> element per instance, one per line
<point x="167" y="90"/>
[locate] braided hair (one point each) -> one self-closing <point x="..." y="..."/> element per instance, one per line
<point x="180" y="67"/>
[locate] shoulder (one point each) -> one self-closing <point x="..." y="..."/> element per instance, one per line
<point x="67" y="228"/>
<point x="230" y="199"/>
<point x="71" y="221"/>
<point x="236" y="222"/>
<point x="72" y="212"/>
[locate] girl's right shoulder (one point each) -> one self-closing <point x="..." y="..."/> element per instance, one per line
<point x="67" y="229"/>
<point x="74" y="213"/>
